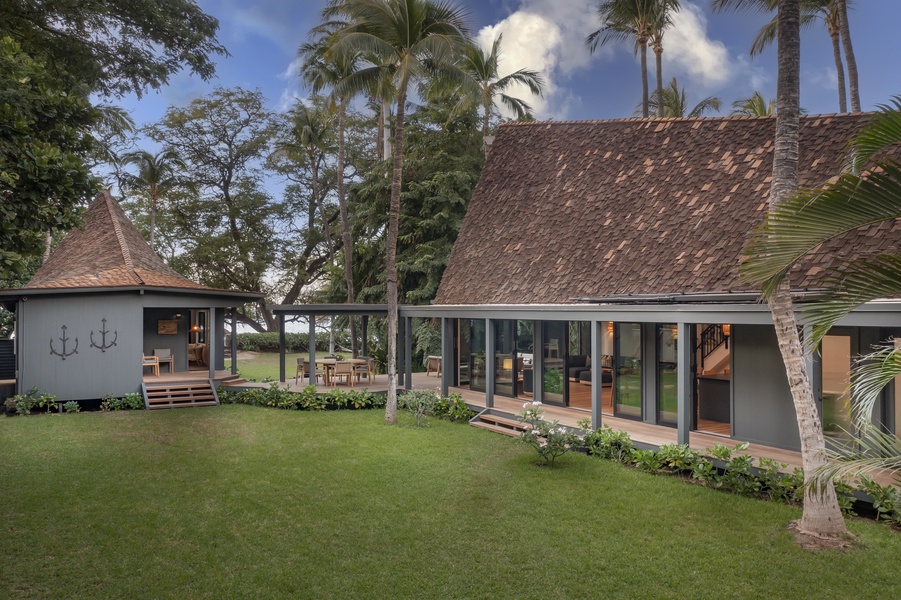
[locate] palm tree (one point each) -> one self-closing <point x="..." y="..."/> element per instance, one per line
<point x="833" y="14"/>
<point x="675" y="103"/>
<point x="627" y="20"/>
<point x="821" y="515"/>
<point x="661" y="21"/>
<point x="320" y="70"/>
<point x="157" y="174"/>
<point x="487" y="84"/>
<point x="754" y="106"/>
<point x="868" y="193"/>
<point x="849" y="54"/>
<point x="812" y="11"/>
<point x="407" y="40"/>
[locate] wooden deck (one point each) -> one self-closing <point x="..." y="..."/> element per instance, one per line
<point x="653" y="435"/>
<point x="180" y="376"/>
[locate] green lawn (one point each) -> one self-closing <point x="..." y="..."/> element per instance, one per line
<point x="262" y="365"/>
<point x="244" y="502"/>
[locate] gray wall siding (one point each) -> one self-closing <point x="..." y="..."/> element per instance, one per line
<point x="763" y="410"/>
<point x="90" y="373"/>
<point x="177" y="344"/>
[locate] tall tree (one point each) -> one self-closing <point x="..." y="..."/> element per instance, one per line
<point x="44" y="136"/>
<point x="322" y="70"/>
<point x="486" y="85"/>
<point x="157" y="175"/>
<point x="410" y="37"/>
<point x="849" y="54"/>
<point x="628" y="21"/>
<point x="674" y="103"/>
<point x="867" y="194"/>
<point x="115" y="47"/>
<point x="661" y="21"/>
<point x="821" y="515"/>
<point x="228" y="227"/>
<point x="754" y="106"/>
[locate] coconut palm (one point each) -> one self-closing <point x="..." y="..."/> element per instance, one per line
<point x="322" y="70"/>
<point x="158" y="174"/>
<point x="868" y="193"/>
<point x="628" y="21"/>
<point x="408" y="40"/>
<point x="659" y="24"/>
<point x="754" y="106"/>
<point x="675" y="103"/>
<point x="833" y="14"/>
<point x="821" y="515"/>
<point x="812" y="11"/>
<point x="486" y="85"/>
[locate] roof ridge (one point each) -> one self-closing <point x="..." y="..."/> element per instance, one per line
<point x="673" y="119"/>
<point x="120" y="237"/>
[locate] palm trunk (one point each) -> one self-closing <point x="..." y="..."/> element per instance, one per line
<point x="821" y="515"/>
<point x="839" y="69"/>
<point x="485" y="123"/>
<point x="379" y="142"/>
<point x="345" y="227"/>
<point x="643" y="43"/>
<point x="152" y="221"/>
<point x="386" y="134"/>
<point x="849" y="55"/>
<point x="391" y="258"/>
<point x="658" y="54"/>
<point x="48" y="242"/>
<point x="320" y="202"/>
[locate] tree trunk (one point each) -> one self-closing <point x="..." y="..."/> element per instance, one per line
<point x="658" y="55"/>
<point x="345" y="227"/>
<point x="839" y="69"/>
<point x="849" y="55"/>
<point x="821" y="515"/>
<point x="390" y="262"/>
<point x="643" y="43"/>
<point x="379" y="143"/>
<point x="48" y="243"/>
<point x="486" y="120"/>
<point x="152" y="220"/>
<point x="386" y="134"/>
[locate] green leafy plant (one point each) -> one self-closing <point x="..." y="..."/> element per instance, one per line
<point x="453" y="408"/>
<point x="23" y="404"/>
<point x="130" y="401"/>
<point x="553" y="381"/>
<point x="609" y="443"/>
<point x="677" y="458"/>
<point x="419" y="404"/>
<point x="886" y="500"/>
<point x="549" y="439"/>
<point x="72" y="407"/>
<point x="647" y="460"/>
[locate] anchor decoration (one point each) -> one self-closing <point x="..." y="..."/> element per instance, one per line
<point x="64" y="339"/>
<point x="103" y="331"/>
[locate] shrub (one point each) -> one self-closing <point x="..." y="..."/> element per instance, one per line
<point x="549" y="439"/>
<point x="886" y="500"/>
<point x="647" y="460"/>
<point x="453" y="408"/>
<point x="307" y="399"/>
<point x="131" y="401"/>
<point x="677" y="458"/>
<point x="609" y="443"/>
<point x="23" y="404"/>
<point x="72" y="406"/>
<point x="294" y="342"/>
<point x="419" y="403"/>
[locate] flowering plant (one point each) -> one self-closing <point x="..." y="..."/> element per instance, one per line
<point x="548" y="438"/>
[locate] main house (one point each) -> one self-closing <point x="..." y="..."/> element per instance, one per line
<point x="596" y="270"/>
<point x="102" y="302"/>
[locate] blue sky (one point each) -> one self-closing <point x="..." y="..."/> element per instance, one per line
<point x="708" y="53"/>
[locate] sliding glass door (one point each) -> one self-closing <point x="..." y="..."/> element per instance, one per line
<point x="627" y="380"/>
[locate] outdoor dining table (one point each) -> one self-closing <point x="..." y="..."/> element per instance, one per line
<point x="328" y="365"/>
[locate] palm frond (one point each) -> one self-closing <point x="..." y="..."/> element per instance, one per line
<point x="882" y="130"/>
<point x="870" y="375"/>
<point x="873" y="451"/>
<point x="803" y="222"/>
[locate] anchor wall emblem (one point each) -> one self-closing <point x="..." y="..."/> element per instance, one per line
<point x="103" y="331"/>
<point x="64" y="339"/>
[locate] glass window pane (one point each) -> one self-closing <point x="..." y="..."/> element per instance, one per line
<point x="836" y="358"/>
<point x="478" y="378"/>
<point x="555" y="341"/>
<point x="504" y="360"/>
<point x="627" y="382"/>
<point x="667" y="365"/>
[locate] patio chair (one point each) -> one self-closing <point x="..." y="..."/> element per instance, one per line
<point x="164" y="355"/>
<point x="344" y="368"/>
<point x="307" y="372"/>
<point x="153" y="363"/>
<point x="365" y="369"/>
<point x="299" y="373"/>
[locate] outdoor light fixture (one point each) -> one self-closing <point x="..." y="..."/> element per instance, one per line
<point x="727" y="331"/>
<point x="609" y="326"/>
<point x="195" y="328"/>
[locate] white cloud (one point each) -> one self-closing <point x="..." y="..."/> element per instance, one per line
<point x="687" y="47"/>
<point x="547" y="36"/>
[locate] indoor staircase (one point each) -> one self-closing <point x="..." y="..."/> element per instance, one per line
<point x="179" y="395"/>
<point x="499" y="422"/>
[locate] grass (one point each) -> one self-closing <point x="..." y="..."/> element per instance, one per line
<point x="243" y="502"/>
<point x="262" y="365"/>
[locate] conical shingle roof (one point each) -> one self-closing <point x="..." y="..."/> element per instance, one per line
<point x="107" y="252"/>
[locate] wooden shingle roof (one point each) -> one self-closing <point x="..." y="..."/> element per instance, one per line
<point x="661" y="206"/>
<point x="108" y="251"/>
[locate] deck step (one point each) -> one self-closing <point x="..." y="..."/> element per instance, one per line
<point x="179" y="395"/>
<point x="499" y="422"/>
<point x="497" y="428"/>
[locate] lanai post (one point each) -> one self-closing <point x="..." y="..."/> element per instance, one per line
<point x="597" y="376"/>
<point x="683" y="382"/>
<point x="447" y="351"/>
<point x="281" y="347"/>
<point x="211" y="342"/>
<point x="234" y="341"/>
<point x="489" y="363"/>
<point x="408" y="354"/>
<point x="311" y="348"/>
